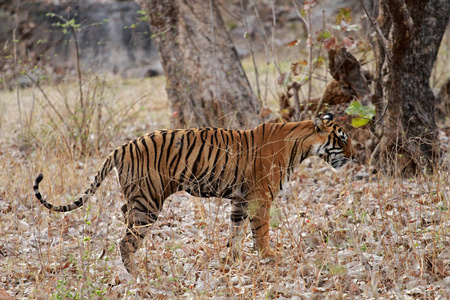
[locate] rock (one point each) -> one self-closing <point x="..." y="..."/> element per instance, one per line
<point x="22" y="226"/>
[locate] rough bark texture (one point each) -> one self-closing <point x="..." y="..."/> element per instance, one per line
<point x="346" y="69"/>
<point x="412" y="31"/>
<point x="206" y="83"/>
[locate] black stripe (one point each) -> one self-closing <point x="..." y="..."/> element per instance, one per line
<point x="136" y="164"/>
<point x="278" y="127"/>
<point x="169" y="147"/>
<point x="216" y="132"/>
<point x="246" y="147"/>
<point x="152" y="190"/>
<point x="257" y="228"/>
<point x="270" y="191"/>
<point x="236" y="169"/>
<point x="176" y="158"/>
<point x="224" y="166"/>
<point x="164" y="134"/>
<point x="231" y="134"/>
<point x="253" y="152"/>
<point x="200" y="153"/>
<point x="215" y="162"/>
<point x="294" y="128"/>
<point x="155" y="148"/>
<point x="238" y="217"/>
<point x="105" y="170"/>
<point x="281" y="176"/>
<point x="126" y="187"/>
<point x="252" y="135"/>
<point x="122" y="159"/>
<point x="181" y="179"/>
<point x="157" y="167"/>
<point x="191" y="148"/>
<point x="131" y="164"/>
<point x="211" y="147"/>
<point x="304" y="155"/>
<point x="263" y="131"/>
<point x="293" y="154"/>
<point x="222" y="134"/>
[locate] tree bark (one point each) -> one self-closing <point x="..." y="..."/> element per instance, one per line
<point x="206" y="83"/>
<point x="406" y="53"/>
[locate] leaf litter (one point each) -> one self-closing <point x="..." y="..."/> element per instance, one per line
<point x="337" y="237"/>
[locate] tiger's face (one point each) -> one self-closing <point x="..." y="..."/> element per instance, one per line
<point x="333" y="144"/>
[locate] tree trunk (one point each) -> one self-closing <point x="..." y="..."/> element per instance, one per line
<point x="411" y="34"/>
<point x="206" y="83"/>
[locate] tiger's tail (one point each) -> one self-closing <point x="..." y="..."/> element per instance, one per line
<point x="104" y="170"/>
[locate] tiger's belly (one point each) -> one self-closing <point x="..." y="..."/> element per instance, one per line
<point x="227" y="190"/>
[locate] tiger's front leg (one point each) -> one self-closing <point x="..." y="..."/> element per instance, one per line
<point x="238" y="226"/>
<point x="259" y="211"/>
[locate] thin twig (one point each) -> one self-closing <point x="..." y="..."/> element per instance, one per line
<point x="213" y="43"/>
<point x="266" y="50"/>
<point x="48" y="101"/>
<point x="252" y="53"/>
<point x="83" y="126"/>
<point x="16" y="17"/>
<point x="382" y="114"/>
<point x="310" y="67"/>
<point x="377" y="30"/>
<point x="296" y="87"/>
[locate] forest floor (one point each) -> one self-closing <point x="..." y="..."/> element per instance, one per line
<point x="340" y="235"/>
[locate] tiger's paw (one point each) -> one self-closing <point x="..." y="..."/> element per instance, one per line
<point x="268" y="253"/>
<point x="236" y="255"/>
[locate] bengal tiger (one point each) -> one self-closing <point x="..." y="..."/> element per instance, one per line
<point x="249" y="167"/>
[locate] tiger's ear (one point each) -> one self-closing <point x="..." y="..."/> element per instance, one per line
<point x="318" y="125"/>
<point x="328" y="116"/>
<point x="319" y="122"/>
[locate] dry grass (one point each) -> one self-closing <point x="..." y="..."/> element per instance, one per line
<point x="338" y="237"/>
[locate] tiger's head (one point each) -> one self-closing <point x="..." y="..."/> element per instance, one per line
<point x="332" y="143"/>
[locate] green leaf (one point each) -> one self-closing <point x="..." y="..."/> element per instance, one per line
<point x="357" y="109"/>
<point x="359" y="122"/>
<point x="363" y="113"/>
<point x="323" y="35"/>
<point x="353" y="108"/>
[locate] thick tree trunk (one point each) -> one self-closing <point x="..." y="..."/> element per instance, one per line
<point x="206" y="83"/>
<point x="412" y="32"/>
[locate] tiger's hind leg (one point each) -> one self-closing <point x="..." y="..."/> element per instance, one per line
<point x="139" y="222"/>
<point x="238" y="225"/>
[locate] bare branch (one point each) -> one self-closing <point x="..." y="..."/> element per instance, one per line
<point x="376" y="27"/>
<point x="296" y="87"/>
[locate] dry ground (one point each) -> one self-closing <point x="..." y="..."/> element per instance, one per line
<point x="342" y="235"/>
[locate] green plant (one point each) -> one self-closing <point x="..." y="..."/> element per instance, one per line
<point x="363" y="113"/>
<point x="65" y="293"/>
